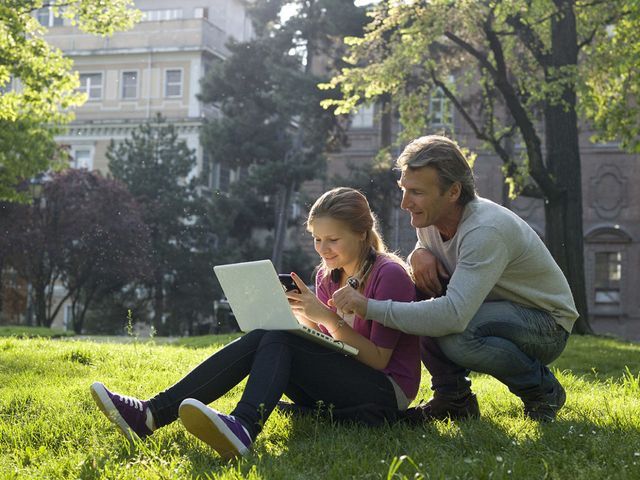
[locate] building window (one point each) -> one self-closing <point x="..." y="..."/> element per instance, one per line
<point x="363" y="118"/>
<point x="161" y="14"/>
<point x="224" y="178"/>
<point x="201" y="12"/>
<point x="129" y="84"/>
<point x="439" y="109"/>
<point x="82" y="159"/>
<point x="46" y="18"/>
<point x="173" y="83"/>
<point x="91" y="84"/>
<point x="607" y="278"/>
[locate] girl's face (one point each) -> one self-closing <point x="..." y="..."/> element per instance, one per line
<point x="337" y="244"/>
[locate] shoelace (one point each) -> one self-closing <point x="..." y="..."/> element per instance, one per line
<point x="133" y="402"/>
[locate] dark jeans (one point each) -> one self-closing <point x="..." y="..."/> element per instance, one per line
<point x="277" y="362"/>
<point x="506" y="340"/>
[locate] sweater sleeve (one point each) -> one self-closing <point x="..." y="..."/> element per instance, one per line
<point x="482" y="257"/>
<point x="392" y="283"/>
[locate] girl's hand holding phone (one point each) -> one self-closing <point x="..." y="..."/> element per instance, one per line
<point x="306" y="303"/>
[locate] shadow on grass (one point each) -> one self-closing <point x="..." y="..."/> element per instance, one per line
<point x="315" y="447"/>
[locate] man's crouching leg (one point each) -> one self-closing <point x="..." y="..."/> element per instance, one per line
<point x="452" y="396"/>
<point x="513" y="344"/>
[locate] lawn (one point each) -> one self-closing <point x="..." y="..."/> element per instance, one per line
<point x="50" y="428"/>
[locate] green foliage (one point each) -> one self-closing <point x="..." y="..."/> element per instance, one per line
<point x="157" y="166"/>
<point x="262" y="93"/>
<point x="30" y="114"/>
<point x="410" y="48"/>
<point x="50" y="427"/>
<point x="273" y="129"/>
<point x="513" y="70"/>
<point x="378" y="181"/>
<point x="84" y="232"/>
<point x="610" y="94"/>
<point x="108" y="315"/>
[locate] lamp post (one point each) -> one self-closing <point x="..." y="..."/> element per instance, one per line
<point x="38" y="206"/>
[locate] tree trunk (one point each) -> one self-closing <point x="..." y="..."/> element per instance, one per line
<point x="158" y="301"/>
<point x="79" y="314"/>
<point x="282" y="217"/>
<point x="386" y="132"/>
<point x="41" y="307"/>
<point x="564" y="234"/>
<point x="1" y="285"/>
<point x="388" y="214"/>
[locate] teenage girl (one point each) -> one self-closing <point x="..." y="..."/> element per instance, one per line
<point x="386" y="371"/>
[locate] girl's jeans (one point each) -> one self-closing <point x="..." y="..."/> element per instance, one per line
<point x="276" y="362"/>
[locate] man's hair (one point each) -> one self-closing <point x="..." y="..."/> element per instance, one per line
<point x="445" y="156"/>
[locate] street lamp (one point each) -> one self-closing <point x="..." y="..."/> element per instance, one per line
<point x="38" y="205"/>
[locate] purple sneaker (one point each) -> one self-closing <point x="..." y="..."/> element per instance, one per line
<point x="127" y="413"/>
<point x="224" y="433"/>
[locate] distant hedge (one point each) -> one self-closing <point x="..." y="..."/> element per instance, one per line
<point x="31" y="332"/>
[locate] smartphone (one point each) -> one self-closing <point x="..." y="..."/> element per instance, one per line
<point x="287" y="283"/>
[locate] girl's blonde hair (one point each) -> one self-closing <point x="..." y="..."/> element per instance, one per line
<point x="352" y="208"/>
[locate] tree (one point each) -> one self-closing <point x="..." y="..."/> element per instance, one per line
<point x="272" y="125"/>
<point x="31" y="114"/>
<point x="83" y="232"/>
<point x="109" y="248"/>
<point x="516" y="67"/>
<point x="378" y="181"/>
<point x="610" y="94"/>
<point x="157" y="166"/>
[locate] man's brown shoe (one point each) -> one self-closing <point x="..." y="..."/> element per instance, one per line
<point x="441" y="407"/>
<point x="544" y="407"/>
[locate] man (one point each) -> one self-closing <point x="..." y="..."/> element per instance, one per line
<point x="507" y="310"/>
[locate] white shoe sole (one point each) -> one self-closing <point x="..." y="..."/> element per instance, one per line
<point x="101" y="397"/>
<point x="202" y="422"/>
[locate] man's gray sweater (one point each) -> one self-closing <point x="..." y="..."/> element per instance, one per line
<point x="494" y="255"/>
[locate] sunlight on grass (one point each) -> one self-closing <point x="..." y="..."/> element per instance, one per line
<point x="50" y="427"/>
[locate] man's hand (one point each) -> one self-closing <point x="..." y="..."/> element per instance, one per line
<point x="427" y="272"/>
<point x="349" y="300"/>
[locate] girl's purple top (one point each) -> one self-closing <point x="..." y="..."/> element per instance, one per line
<point x="387" y="281"/>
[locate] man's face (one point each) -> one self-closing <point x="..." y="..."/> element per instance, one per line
<point x="422" y="198"/>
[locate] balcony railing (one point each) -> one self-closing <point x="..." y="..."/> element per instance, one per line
<point x="167" y="35"/>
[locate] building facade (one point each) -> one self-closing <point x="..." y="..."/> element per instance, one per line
<point x="155" y="67"/>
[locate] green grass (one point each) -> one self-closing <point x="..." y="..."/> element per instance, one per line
<point x="50" y="428"/>
<point x="31" y="332"/>
<point x="206" y="341"/>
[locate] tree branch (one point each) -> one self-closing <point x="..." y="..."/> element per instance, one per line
<point x="589" y="38"/>
<point x="529" y="38"/>
<point x="467" y="47"/>
<point x="481" y="134"/>
<point x="531" y="190"/>
<point x="537" y="168"/>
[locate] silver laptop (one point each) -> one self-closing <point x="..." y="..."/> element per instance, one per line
<point x="258" y="301"/>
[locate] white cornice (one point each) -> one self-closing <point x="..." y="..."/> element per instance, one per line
<point x="77" y="131"/>
<point x="142" y="50"/>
